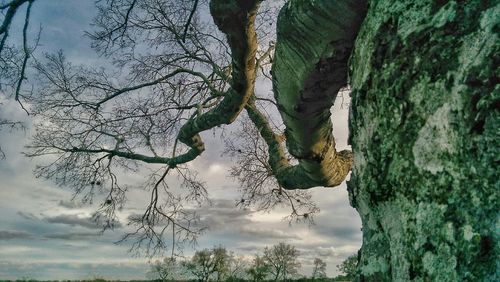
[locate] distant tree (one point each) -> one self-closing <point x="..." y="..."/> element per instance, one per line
<point x="209" y="263"/>
<point x="221" y="260"/>
<point x="236" y="268"/>
<point x="282" y="259"/>
<point x="259" y="269"/>
<point x="167" y="270"/>
<point x="319" y="269"/>
<point x="348" y="266"/>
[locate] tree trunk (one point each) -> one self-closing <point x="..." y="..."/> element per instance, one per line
<point x="425" y="132"/>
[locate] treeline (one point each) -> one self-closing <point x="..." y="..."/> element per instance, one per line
<point x="277" y="263"/>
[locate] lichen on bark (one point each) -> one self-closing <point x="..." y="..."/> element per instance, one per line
<point x="424" y="129"/>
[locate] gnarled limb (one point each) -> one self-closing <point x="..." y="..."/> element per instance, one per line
<point x="314" y="41"/>
<point x="236" y="20"/>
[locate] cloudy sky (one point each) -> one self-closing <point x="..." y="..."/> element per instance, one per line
<point x="44" y="234"/>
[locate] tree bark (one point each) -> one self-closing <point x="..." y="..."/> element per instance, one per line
<point x="314" y="41"/>
<point x="425" y="135"/>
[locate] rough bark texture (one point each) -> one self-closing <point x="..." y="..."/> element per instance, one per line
<point x="314" y="41"/>
<point x="425" y="134"/>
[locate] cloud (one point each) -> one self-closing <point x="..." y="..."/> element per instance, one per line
<point x="265" y="233"/>
<point x="325" y="251"/>
<point x="69" y="204"/>
<point x="250" y="249"/>
<point x="76" y="220"/>
<point x="223" y="214"/>
<point x="14" y="234"/>
<point x="27" y="215"/>
<point x="73" y="236"/>
<point x="73" y="270"/>
<point x="341" y="232"/>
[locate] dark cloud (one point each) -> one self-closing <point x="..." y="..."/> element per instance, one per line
<point x="14" y="234"/>
<point x="250" y="249"/>
<point x="73" y="236"/>
<point x="325" y="251"/>
<point x="341" y="232"/>
<point x="134" y="216"/>
<point x="223" y="214"/>
<point x="27" y="215"/>
<point x="218" y="216"/>
<point x="69" y="204"/>
<point x="76" y="220"/>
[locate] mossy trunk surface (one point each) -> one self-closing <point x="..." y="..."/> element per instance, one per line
<point x="425" y="132"/>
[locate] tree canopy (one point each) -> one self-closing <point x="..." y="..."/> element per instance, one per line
<point x="176" y="72"/>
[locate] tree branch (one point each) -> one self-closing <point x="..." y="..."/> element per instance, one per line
<point x="27" y="54"/>
<point x="186" y="27"/>
<point x="314" y="42"/>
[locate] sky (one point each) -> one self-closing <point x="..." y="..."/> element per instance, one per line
<point x="44" y="234"/>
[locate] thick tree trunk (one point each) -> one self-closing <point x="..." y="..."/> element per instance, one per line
<point x="314" y="41"/>
<point x="425" y="131"/>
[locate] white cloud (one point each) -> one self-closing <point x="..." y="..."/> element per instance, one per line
<point x="267" y="233"/>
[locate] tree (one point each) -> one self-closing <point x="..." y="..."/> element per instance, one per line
<point x="424" y="134"/>
<point x="348" y="267"/>
<point x="167" y="270"/>
<point x="319" y="269"/>
<point x="206" y="264"/>
<point x="237" y="268"/>
<point x="424" y="115"/>
<point x="259" y="269"/>
<point x="282" y="261"/>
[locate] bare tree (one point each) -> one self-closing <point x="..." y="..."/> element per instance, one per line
<point x="237" y="267"/>
<point x="282" y="259"/>
<point x="193" y="76"/>
<point x="259" y="269"/>
<point x="167" y="270"/>
<point x="348" y="266"/>
<point x="209" y="264"/>
<point x="319" y="269"/>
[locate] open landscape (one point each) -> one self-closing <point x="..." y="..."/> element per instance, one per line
<point x="249" y="140"/>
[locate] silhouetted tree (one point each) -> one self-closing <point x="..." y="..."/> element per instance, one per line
<point x="319" y="269"/>
<point x="259" y="269"/>
<point x="169" y="269"/>
<point x="209" y="264"/>
<point x="282" y="260"/>
<point x="348" y="266"/>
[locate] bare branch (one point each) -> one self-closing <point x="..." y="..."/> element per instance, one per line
<point x="259" y="188"/>
<point x="26" y="53"/>
<point x="12" y="7"/>
<point x="195" y="5"/>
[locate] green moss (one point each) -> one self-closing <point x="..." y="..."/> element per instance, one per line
<point x="425" y="133"/>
